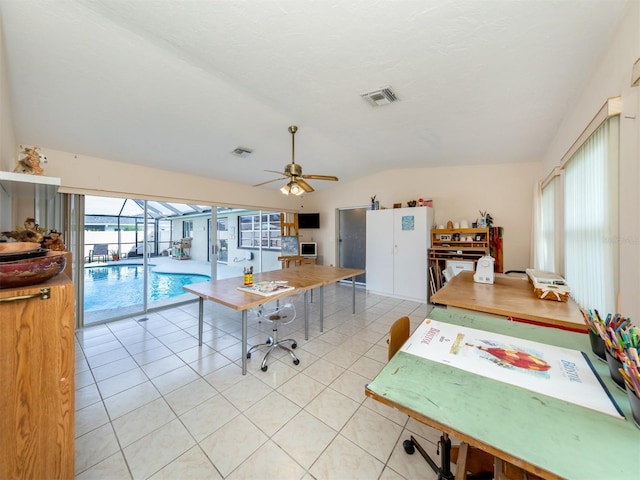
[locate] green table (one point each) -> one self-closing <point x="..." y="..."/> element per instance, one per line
<point x="546" y="436"/>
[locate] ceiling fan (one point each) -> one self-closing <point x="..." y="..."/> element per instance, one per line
<point x="297" y="184"/>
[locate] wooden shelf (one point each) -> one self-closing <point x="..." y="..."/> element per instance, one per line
<point x="459" y="245"/>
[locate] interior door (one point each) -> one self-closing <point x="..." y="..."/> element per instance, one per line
<point x="352" y="239"/>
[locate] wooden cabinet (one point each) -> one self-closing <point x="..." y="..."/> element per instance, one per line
<point x="37" y="379"/>
<point x="457" y="246"/>
<point x="396" y="251"/>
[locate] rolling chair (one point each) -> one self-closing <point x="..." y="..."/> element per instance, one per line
<point x="468" y="458"/>
<point x="283" y="315"/>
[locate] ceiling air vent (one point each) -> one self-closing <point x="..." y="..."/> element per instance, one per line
<point x="242" y="152"/>
<point x="383" y="96"/>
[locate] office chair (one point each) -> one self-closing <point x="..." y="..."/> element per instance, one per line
<point x="283" y="315"/>
<point x="398" y="335"/>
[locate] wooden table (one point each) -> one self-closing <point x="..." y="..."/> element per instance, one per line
<point x="510" y="296"/>
<point x="303" y="278"/>
<point x="543" y="435"/>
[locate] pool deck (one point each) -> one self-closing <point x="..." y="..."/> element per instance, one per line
<point x="171" y="265"/>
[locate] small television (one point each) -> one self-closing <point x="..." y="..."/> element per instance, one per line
<point x="308" y="220"/>
<point x="309" y="249"/>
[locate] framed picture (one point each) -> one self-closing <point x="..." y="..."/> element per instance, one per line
<point x="445" y="237"/>
<point x="289" y="246"/>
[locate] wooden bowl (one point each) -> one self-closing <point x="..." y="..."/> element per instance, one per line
<point x="31" y="271"/>
<point x="15" y="247"/>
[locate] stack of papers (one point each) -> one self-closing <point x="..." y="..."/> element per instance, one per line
<point x="267" y="289"/>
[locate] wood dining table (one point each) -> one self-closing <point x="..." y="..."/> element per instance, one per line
<point x="303" y="278"/>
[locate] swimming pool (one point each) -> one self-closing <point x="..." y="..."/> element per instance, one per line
<point x="114" y="286"/>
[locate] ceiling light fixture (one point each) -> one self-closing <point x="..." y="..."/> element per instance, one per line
<point x="292" y="188"/>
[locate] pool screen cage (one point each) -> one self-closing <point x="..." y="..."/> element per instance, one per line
<point x="114" y="227"/>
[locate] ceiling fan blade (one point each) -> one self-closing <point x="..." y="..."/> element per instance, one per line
<point x="321" y="177"/>
<point x="269" y="181"/>
<point x="305" y="186"/>
<point x="278" y="173"/>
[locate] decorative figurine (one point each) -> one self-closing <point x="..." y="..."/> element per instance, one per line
<point x="30" y="164"/>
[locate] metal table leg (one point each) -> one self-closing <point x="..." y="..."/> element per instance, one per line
<point x="200" y="319"/>
<point x="306" y="314"/>
<point x="244" y="342"/>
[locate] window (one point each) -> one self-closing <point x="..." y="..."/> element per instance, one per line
<point x="187" y="229"/>
<point x="591" y="220"/>
<point x="259" y="231"/>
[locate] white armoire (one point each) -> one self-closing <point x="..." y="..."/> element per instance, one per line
<point x="397" y="244"/>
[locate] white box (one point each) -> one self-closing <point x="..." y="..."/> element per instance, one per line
<point x="458" y="266"/>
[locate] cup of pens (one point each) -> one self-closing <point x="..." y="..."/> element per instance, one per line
<point x="248" y="276"/>
<point x="617" y="333"/>
<point x="595" y="339"/>
<point x="630" y="370"/>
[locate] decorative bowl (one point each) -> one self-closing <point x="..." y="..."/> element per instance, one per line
<point x="21" y="273"/>
<point x="14" y="247"/>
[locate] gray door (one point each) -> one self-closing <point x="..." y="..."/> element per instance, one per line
<point x="352" y="239"/>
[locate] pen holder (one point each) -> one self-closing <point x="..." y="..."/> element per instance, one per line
<point x="614" y="365"/>
<point x="248" y="279"/>
<point x="597" y="345"/>
<point x="635" y="406"/>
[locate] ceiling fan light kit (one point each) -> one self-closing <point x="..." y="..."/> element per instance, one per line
<point x="297" y="184"/>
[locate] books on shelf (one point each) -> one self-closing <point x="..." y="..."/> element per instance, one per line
<point x="267" y="289"/>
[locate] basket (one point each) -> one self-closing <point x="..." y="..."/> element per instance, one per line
<point x="549" y="285"/>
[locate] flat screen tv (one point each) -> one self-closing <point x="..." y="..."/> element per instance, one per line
<point x="308" y="220"/>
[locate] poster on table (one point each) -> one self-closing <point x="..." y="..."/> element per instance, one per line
<point x="554" y="371"/>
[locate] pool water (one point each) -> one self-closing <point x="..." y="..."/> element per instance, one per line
<point x="114" y="286"/>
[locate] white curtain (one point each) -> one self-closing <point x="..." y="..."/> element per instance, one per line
<point x="591" y="220"/>
<point x="547" y="258"/>
<point x="537" y="242"/>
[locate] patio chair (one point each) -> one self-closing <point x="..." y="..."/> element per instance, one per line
<point x="99" y="250"/>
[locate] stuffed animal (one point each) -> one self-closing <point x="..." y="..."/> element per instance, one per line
<point x="31" y="163"/>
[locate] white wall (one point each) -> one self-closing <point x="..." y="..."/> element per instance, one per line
<point x="613" y="78"/>
<point x="505" y="191"/>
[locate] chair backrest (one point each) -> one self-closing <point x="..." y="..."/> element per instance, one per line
<point x="101" y="249"/>
<point x="398" y="334"/>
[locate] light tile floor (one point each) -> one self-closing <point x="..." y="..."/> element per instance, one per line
<point x="150" y="403"/>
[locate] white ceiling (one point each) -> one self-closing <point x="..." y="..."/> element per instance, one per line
<point x="179" y="84"/>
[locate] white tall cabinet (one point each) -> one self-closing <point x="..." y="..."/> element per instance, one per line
<point x="397" y="244"/>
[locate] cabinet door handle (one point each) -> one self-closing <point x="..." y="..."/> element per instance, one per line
<point x="44" y="294"/>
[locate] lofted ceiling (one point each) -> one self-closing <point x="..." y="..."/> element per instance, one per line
<point x="179" y="84"/>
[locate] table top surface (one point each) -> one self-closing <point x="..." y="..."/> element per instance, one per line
<point x="302" y="277"/>
<point x="509" y="296"/>
<point x="547" y="436"/>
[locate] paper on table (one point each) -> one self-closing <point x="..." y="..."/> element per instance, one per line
<point x="554" y="371"/>
<point x="266" y="289"/>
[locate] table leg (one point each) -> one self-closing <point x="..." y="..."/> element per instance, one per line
<point x="200" y="319"/>
<point x="244" y="342"/>
<point x="306" y="314"/>
<point x="353" y="289"/>
<point x="322" y="308"/>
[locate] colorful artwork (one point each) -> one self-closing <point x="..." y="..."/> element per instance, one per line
<point x="554" y="371"/>
<point x="408" y="222"/>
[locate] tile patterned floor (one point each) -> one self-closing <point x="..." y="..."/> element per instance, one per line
<point x="152" y="404"/>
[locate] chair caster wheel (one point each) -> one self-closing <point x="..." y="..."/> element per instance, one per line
<point x="294" y="345"/>
<point x="296" y="362"/>
<point x="248" y="355"/>
<point x="264" y="369"/>
<point x="408" y="447"/>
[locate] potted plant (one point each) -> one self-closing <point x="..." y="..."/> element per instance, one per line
<point x="115" y="255"/>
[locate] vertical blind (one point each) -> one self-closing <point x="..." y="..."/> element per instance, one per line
<point x="591" y="220"/>
<point x="547" y="260"/>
